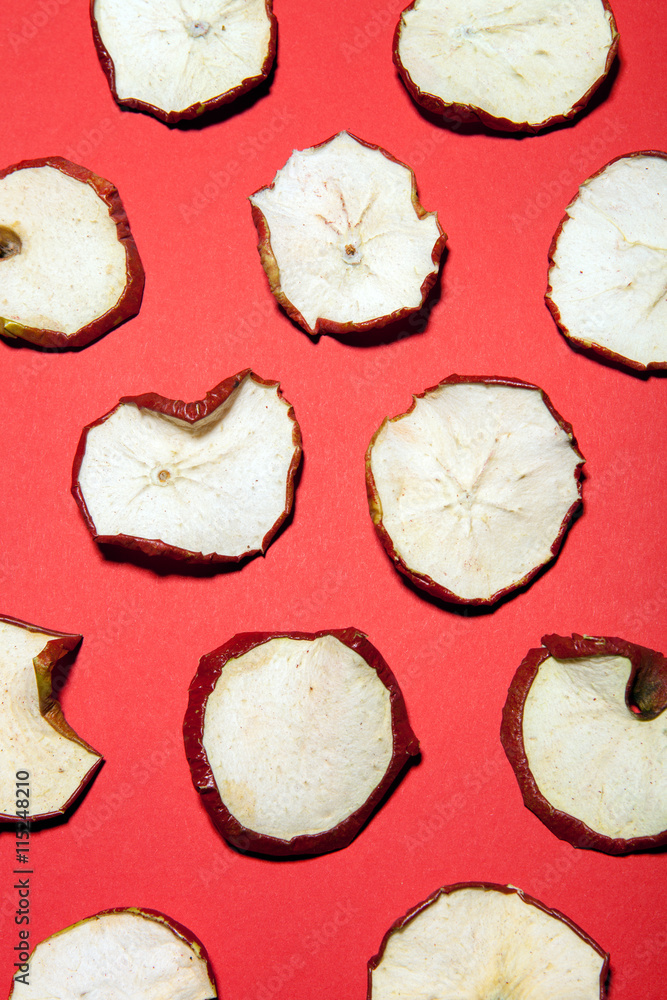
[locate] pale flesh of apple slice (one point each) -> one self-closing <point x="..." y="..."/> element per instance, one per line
<point x="344" y="241"/>
<point x="593" y="770"/>
<point x="608" y="275"/>
<point x="301" y="736"/>
<point x="118" y="954"/>
<point x="34" y="736"/>
<point x="514" y="65"/>
<point x="69" y="268"/>
<point x="476" y="941"/>
<point x="472" y="489"/>
<point x="211" y="480"/>
<point x="178" y="59"/>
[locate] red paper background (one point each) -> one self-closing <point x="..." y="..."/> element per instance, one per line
<point x="304" y="929"/>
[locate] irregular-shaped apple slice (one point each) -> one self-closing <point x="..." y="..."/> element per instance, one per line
<point x="293" y="738"/>
<point x="210" y="481"/>
<point x="117" y="954"/>
<point x="69" y="268"/>
<point x="472" y="489"/>
<point x="608" y="263"/>
<point x="178" y="60"/>
<point x="584" y="730"/>
<point x="343" y="238"/>
<point x="37" y="746"/>
<point x="514" y="66"/>
<point x="476" y="939"/>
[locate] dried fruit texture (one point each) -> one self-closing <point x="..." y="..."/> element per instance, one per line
<point x="472" y="490"/>
<point x="608" y="259"/>
<point x="344" y="241"/>
<point x="69" y="268"/>
<point x="35" y="737"/>
<point x="593" y="769"/>
<point x="206" y="481"/>
<point x="118" y="954"/>
<point x="518" y="65"/>
<point x="176" y="60"/>
<point x="482" y="940"/>
<point x="294" y="738"/>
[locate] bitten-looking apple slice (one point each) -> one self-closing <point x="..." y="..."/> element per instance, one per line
<point x="512" y="64"/>
<point x="117" y="954"/>
<point x="343" y="238"/>
<point x="472" y="489"/>
<point x="477" y="939"/>
<point x="69" y="268"/>
<point x="210" y="481"/>
<point x="608" y="263"/>
<point x="178" y="60"/>
<point x="37" y="746"/>
<point x="293" y="738"/>
<point x="588" y="765"/>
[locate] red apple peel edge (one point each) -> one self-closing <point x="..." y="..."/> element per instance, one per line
<point x="49" y="706"/>
<point x="646" y="687"/>
<point x="461" y="114"/>
<point x="272" y="270"/>
<point x="128" y="304"/>
<point x="422" y="580"/>
<point x="189" y="413"/>
<point x="405" y="746"/>
<point x="194" y="110"/>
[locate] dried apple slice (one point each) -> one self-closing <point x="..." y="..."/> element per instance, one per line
<point x="293" y="738"/>
<point x="178" y="60"/>
<point x="210" y="481"/>
<point x="343" y="238"/>
<point x="518" y="65"/>
<point x="472" y="489"/>
<point x="69" y="268"/>
<point x="584" y="730"/>
<point x="128" y="952"/>
<point x="37" y="746"/>
<point x="477" y="939"/>
<point x="608" y="263"/>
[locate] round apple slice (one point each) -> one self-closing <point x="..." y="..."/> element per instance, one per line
<point x="117" y="954"/>
<point x="69" y="268"/>
<point x="343" y="238"/>
<point x="45" y="765"/>
<point x="210" y="481"/>
<point x="513" y="66"/>
<point x="608" y="263"/>
<point x="178" y="60"/>
<point x="477" y="939"/>
<point x="472" y="489"/>
<point x="584" y="730"/>
<point x="293" y="738"/>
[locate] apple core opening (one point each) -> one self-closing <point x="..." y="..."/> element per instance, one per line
<point x="10" y="243"/>
<point x="198" y="28"/>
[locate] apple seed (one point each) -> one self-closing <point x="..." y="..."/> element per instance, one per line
<point x="10" y="243"/>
